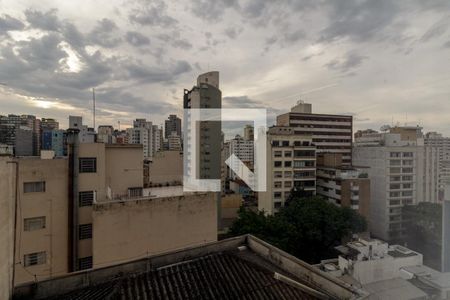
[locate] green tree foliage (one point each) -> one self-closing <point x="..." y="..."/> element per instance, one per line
<point x="307" y="228"/>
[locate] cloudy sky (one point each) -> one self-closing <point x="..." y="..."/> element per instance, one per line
<point x="382" y="61"/>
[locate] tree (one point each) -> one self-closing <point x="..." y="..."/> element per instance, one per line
<point x="307" y="228"/>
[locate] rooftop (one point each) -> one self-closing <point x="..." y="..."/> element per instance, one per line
<point x="238" y="268"/>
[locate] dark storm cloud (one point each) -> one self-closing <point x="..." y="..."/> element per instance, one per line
<point x="136" y="39"/>
<point x="105" y="34"/>
<point x="359" y="20"/>
<point x="8" y="23"/>
<point x="151" y="13"/>
<point x="212" y="10"/>
<point x="347" y="63"/>
<point x="43" y="20"/>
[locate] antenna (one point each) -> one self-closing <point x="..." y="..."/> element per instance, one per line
<point x="119" y="124"/>
<point x="93" y="104"/>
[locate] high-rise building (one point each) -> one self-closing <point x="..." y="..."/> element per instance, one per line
<point x="291" y="163"/>
<point x="49" y="124"/>
<point x="243" y="149"/>
<point x="396" y="162"/>
<point x="172" y="124"/>
<point x="86" y="134"/>
<point x="174" y="142"/>
<point x="330" y="133"/>
<point x="437" y="148"/>
<point x="105" y="134"/>
<point x="59" y="142"/>
<point x="346" y="186"/>
<point x="249" y="133"/>
<point x="157" y="136"/>
<point x="142" y="133"/>
<point x="206" y="94"/>
<point x="21" y="132"/>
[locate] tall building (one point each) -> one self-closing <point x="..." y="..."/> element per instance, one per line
<point x="438" y="149"/>
<point x="34" y="124"/>
<point x="174" y="142"/>
<point x="59" y="142"/>
<point x="291" y="163"/>
<point x="21" y="132"/>
<point x="105" y="134"/>
<point x="49" y="124"/>
<point x="243" y="149"/>
<point x="330" y="133"/>
<point x="172" y="124"/>
<point x="157" y="136"/>
<point x="346" y="186"/>
<point x="206" y="94"/>
<point x="86" y="134"/>
<point x="249" y="133"/>
<point x="396" y="162"/>
<point x="142" y="133"/>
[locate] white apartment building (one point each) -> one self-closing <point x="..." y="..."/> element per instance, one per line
<point x="291" y="162"/>
<point x="396" y="163"/>
<point x="174" y="142"/>
<point x="243" y="149"/>
<point x="146" y="134"/>
<point x="437" y="148"/>
<point x="86" y="134"/>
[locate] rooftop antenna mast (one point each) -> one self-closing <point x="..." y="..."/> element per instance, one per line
<point x="93" y="104"/>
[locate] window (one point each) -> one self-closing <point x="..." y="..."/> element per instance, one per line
<point x="34" y="187"/>
<point x="407" y="185"/>
<point x="277" y="174"/>
<point x="277" y="164"/>
<point x="394" y="194"/>
<point x="135" y="192"/>
<point x="277" y="153"/>
<point x="395" y="154"/>
<point x="277" y="184"/>
<point x="85" y="263"/>
<point x="287" y="153"/>
<point x="395" y="162"/>
<point x="407" y="154"/>
<point x="85" y="198"/>
<point x="32" y="259"/>
<point x="285" y="143"/>
<point x="30" y="224"/>
<point x="407" y="178"/>
<point x="407" y="162"/>
<point x="395" y="178"/>
<point x="407" y="193"/>
<point x="288" y="164"/>
<point x="288" y="184"/>
<point x="394" y="170"/>
<point x="287" y="174"/>
<point x="394" y="186"/>
<point x="407" y="170"/>
<point x="88" y="165"/>
<point x="394" y="202"/>
<point x="277" y="195"/>
<point x="85" y="231"/>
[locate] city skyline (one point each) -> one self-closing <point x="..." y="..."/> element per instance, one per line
<point x="391" y="68"/>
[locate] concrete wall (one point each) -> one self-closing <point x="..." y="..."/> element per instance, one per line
<point x="129" y="230"/>
<point x="230" y="205"/>
<point x="7" y="188"/>
<point x="166" y="167"/>
<point x="93" y="181"/>
<point x="53" y="204"/>
<point x="124" y="167"/>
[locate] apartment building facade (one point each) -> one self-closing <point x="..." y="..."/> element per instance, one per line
<point x="291" y="163"/>
<point x="346" y="186"/>
<point x="206" y="94"/>
<point x="171" y="125"/>
<point x="437" y="149"/>
<point x="243" y="149"/>
<point x="69" y="208"/>
<point x="330" y="133"/>
<point x="396" y="163"/>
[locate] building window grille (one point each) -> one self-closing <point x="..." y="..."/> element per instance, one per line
<point x="86" y="198"/>
<point x="30" y="224"/>
<point x="32" y="259"/>
<point x="34" y="187"/>
<point x="88" y="165"/>
<point x="85" y="263"/>
<point x="85" y="231"/>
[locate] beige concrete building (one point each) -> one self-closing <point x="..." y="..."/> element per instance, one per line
<point x="134" y="229"/>
<point x="88" y="209"/>
<point x="7" y="188"/>
<point x="346" y="186"/>
<point x="166" y="168"/>
<point x="291" y="162"/>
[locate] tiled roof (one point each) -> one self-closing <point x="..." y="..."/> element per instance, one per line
<point x="226" y="275"/>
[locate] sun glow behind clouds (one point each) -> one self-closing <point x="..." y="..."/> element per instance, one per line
<point x="49" y="104"/>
